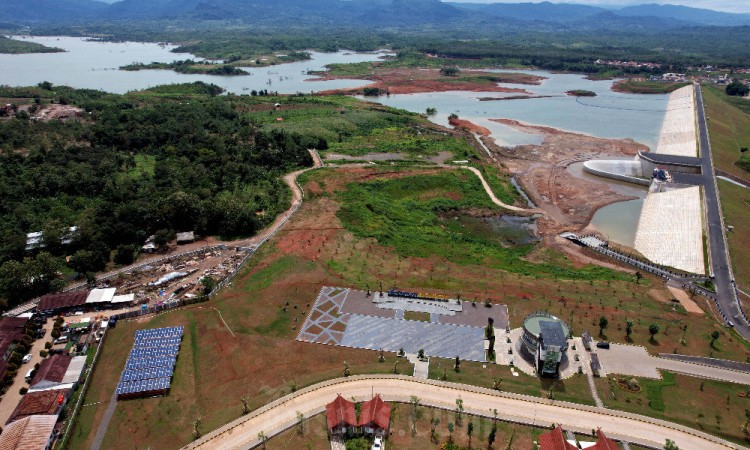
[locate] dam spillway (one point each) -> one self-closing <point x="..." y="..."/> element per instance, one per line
<point x="670" y="226"/>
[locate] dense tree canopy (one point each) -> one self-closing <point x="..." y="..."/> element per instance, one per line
<point x="132" y="166"/>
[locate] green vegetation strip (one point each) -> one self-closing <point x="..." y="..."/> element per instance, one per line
<point x="406" y="213"/>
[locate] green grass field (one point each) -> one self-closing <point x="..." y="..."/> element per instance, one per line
<point x="711" y="406"/>
<point x="729" y="130"/>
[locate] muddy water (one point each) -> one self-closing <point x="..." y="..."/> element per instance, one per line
<point x="505" y="230"/>
<point x="618" y="221"/>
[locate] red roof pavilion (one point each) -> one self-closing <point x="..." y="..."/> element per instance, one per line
<point x="603" y="442"/>
<point x="375" y="413"/>
<point x="341" y="413"/>
<point x="555" y="440"/>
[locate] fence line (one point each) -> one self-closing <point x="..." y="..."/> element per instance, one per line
<point x="72" y="418"/>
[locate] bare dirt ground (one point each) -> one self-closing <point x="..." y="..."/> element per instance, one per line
<point x="568" y="202"/>
<point x="413" y="81"/>
<point x="58" y="112"/>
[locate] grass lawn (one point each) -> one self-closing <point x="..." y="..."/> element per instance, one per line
<point x="419" y="316"/>
<point x="735" y="205"/>
<point x="711" y="406"/>
<point x="508" y="436"/>
<point x="574" y="389"/>
<point x="729" y="129"/>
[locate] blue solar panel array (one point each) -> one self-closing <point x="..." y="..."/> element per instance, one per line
<point x="150" y="366"/>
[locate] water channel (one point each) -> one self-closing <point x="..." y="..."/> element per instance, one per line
<point x="94" y="65"/>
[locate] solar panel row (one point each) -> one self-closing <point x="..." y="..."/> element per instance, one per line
<point x="154" y="351"/>
<point x="146" y="363"/>
<point x="151" y="362"/>
<point x="147" y="374"/>
<point x="151" y="343"/>
<point x="159" y="333"/>
<point x="134" y="387"/>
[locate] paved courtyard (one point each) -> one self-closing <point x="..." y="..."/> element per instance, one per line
<point x="353" y="318"/>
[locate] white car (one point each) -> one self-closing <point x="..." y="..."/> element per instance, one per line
<point x="378" y="444"/>
<point x="26" y="358"/>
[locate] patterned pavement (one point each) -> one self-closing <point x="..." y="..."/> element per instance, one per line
<point x="326" y="324"/>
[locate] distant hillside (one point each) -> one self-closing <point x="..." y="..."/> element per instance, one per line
<point x="687" y="14"/>
<point x="384" y="14"/>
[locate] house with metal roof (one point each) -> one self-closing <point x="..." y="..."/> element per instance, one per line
<point x="58" y="372"/>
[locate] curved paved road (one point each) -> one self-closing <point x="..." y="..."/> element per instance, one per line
<point x="282" y="414"/>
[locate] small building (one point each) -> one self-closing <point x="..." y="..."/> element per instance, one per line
<point x="30" y="433"/>
<point x="185" y="237"/>
<point x="100" y="297"/>
<point x="61" y="302"/>
<point x="44" y="403"/>
<point x="121" y="301"/>
<point x="58" y="372"/>
<point x="342" y="417"/>
<point x="375" y="417"/>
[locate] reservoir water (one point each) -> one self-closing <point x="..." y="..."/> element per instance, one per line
<point x="95" y="65"/>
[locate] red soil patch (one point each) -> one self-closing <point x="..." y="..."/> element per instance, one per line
<point x="469" y="126"/>
<point x="413" y="81"/>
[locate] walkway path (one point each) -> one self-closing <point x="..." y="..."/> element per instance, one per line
<point x="494" y="199"/>
<point x="104" y="424"/>
<point x="281" y="414"/>
<point x="421" y="368"/>
<point x="592" y="386"/>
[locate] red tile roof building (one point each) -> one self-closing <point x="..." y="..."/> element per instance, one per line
<point x="40" y="403"/>
<point x="375" y="416"/>
<point x="341" y="415"/>
<point x="62" y="301"/>
<point x="11" y="332"/>
<point x="555" y="440"/>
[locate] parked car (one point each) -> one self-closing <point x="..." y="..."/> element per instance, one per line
<point x="26" y="358"/>
<point x="61" y="340"/>
<point x="28" y="375"/>
<point x="602" y="344"/>
<point x="378" y="444"/>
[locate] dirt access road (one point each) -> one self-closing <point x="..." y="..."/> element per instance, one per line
<point x="282" y="414"/>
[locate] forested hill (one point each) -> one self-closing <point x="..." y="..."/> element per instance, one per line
<point x="178" y="158"/>
<point x="369" y="13"/>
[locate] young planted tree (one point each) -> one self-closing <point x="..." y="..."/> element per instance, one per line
<point x="459" y="410"/>
<point x="434" y="422"/>
<point x="653" y="330"/>
<point x="451" y="427"/>
<point x="628" y="328"/>
<point x="414" y="400"/>
<point x="603" y="322"/>
<point x="492" y="436"/>
<point x="470" y="431"/>
<point x="457" y="365"/>
<point x="301" y="423"/>
<point x="714" y="336"/>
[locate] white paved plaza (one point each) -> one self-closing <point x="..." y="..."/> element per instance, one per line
<point x="670" y="229"/>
